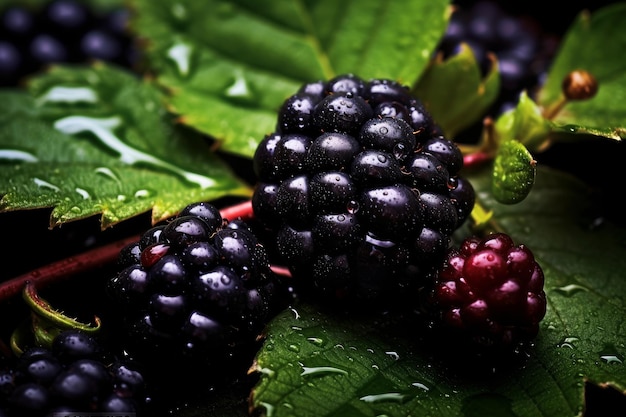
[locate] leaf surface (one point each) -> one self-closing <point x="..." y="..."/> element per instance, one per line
<point x="594" y="43"/>
<point x="229" y="65"/>
<point x="98" y="141"/>
<point x="455" y="92"/>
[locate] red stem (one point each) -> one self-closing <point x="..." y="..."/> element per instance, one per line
<point x="475" y="159"/>
<point x="65" y="268"/>
<point x="242" y="211"/>
<point x="92" y="259"/>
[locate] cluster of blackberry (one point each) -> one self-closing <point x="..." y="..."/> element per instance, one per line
<point x="60" y="31"/>
<point x="522" y="49"/>
<point x="196" y="287"/>
<point x="74" y="375"/>
<point x="359" y="188"/>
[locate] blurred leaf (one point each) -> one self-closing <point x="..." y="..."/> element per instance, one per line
<point x="229" y="65"/>
<point x="115" y="151"/>
<point x="319" y="364"/>
<point x="455" y="92"/>
<point x="594" y="43"/>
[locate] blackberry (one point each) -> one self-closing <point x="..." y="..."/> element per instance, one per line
<point x="196" y="289"/>
<point x="523" y="52"/>
<point x="76" y="373"/>
<point x="359" y="188"/>
<point x="60" y="31"/>
<point x="490" y="293"/>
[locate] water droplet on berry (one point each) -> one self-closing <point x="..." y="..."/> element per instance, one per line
<point x="400" y="151"/>
<point x="352" y="207"/>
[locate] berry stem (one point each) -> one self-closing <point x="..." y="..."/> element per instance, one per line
<point x="242" y="211"/>
<point x="65" y="268"/>
<point x="475" y="159"/>
<point x="92" y="259"/>
<point x="551" y="112"/>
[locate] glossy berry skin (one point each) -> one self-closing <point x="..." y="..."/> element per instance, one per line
<point x="490" y="291"/>
<point x="358" y="189"/>
<point x="199" y="286"/>
<point x="75" y="373"/>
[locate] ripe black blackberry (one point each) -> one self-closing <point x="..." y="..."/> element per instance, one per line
<point x="60" y="31"/>
<point x="489" y="292"/>
<point x="195" y="290"/>
<point x="359" y="188"/>
<point x="75" y="374"/>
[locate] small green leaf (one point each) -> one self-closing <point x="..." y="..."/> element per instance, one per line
<point x="455" y="92"/>
<point x="514" y="172"/>
<point x="229" y="65"/>
<point x="98" y="141"/>
<point x="525" y="124"/>
<point x="594" y="43"/>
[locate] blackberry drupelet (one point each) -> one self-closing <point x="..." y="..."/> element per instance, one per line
<point x="359" y="188"/>
<point x="75" y="374"/>
<point x="195" y="290"/>
<point x="490" y="293"/>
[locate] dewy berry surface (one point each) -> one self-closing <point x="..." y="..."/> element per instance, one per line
<point x="359" y="188"/>
<point x="491" y="291"/>
<point x="198" y="286"/>
<point x="76" y="372"/>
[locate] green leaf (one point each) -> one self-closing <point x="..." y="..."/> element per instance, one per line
<point x="525" y="124"/>
<point x="229" y="65"/>
<point x="455" y="92"/>
<point x="318" y="364"/>
<point x="594" y="43"/>
<point x="513" y="172"/>
<point x="98" y="141"/>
